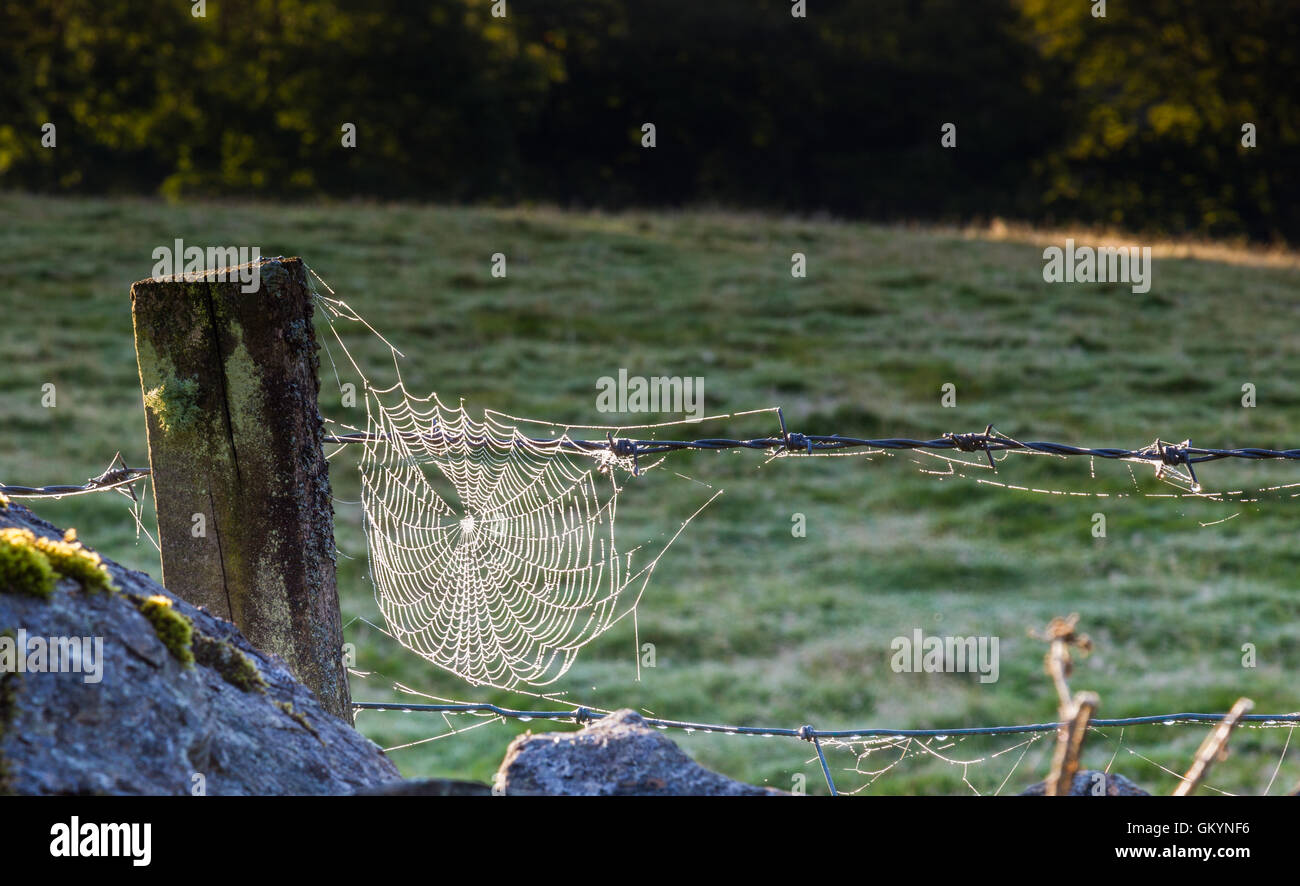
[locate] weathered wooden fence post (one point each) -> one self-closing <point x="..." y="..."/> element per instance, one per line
<point x="240" y="480"/>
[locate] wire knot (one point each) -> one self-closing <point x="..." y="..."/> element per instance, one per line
<point x="798" y="441"/>
<point x="807" y="733"/>
<point x="1173" y="453"/>
<point x="625" y="447"/>
<point x="968" y="442"/>
<point x="116" y="470"/>
<point x="975" y="442"/>
<point x="583" y="716"/>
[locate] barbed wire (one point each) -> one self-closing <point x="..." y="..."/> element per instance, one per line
<point x="988" y="441"/>
<point x="583" y="716"/>
<point x="113" y="479"/>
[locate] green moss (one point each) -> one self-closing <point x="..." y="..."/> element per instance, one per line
<point x="245" y="398"/>
<point x="299" y="717"/>
<point x="172" y="628"/>
<point x="174" y="403"/>
<point x="24" y="569"/>
<point x="71" y="559"/>
<point x="235" y="667"/>
<point x="31" y="564"/>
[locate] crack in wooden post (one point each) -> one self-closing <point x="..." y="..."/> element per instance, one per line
<point x="241" y="484"/>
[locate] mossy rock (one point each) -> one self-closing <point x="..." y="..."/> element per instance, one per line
<point x="299" y="717"/>
<point x="71" y="559"/>
<point x="234" y="667"/>
<point x="172" y="628"/>
<point x="152" y="723"/>
<point x="23" y="568"/>
<point x="31" y="564"/>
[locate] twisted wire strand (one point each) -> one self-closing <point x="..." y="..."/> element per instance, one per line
<point x="583" y="716"/>
<point x="987" y="441"/>
<point x="111" y="480"/>
<point x="1167" y="453"/>
<point x="807" y="733"/>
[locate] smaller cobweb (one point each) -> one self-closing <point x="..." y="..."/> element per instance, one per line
<point x="1152" y="755"/>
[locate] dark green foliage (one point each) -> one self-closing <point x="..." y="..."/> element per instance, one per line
<point x="1131" y="120"/>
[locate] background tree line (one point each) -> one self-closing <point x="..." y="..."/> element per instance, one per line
<point x="1134" y="119"/>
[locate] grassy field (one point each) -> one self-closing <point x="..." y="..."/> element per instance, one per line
<point x="750" y="624"/>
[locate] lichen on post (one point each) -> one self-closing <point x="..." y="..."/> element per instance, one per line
<point x="241" y="484"/>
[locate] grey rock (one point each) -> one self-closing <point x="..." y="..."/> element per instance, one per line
<point x="152" y="723"/>
<point x="617" y="755"/>
<point x="428" y="787"/>
<point x="1085" y="782"/>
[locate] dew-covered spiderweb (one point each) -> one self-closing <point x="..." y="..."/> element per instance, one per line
<point x="1153" y="755"/>
<point x="493" y="552"/>
<point x="493" y="556"/>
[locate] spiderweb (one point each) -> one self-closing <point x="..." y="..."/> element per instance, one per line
<point x="493" y="552"/>
<point x="493" y="557"/>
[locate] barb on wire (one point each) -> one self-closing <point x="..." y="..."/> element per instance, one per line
<point x="117" y="476"/>
<point x="808" y="733"/>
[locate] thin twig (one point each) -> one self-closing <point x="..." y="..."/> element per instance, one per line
<point x="1069" y="742"/>
<point x="1215" y="747"/>
<point x="1075" y="713"/>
